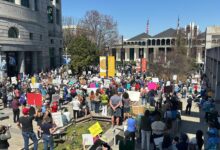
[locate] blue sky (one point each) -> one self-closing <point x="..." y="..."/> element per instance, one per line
<point x="132" y="15"/>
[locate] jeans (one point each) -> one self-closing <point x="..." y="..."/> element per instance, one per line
<point x="97" y="105"/>
<point x="104" y="110"/>
<point x="144" y="101"/>
<point x="188" y="108"/>
<point x="92" y="106"/>
<point x="145" y="140"/>
<point x="32" y="136"/>
<point x="16" y="113"/>
<point x="48" y="140"/>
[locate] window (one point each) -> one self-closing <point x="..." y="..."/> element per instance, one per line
<point x="50" y="14"/>
<point x="52" y="57"/>
<point x="57" y="1"/>
<point x="25" y="3"/>
<point x="41" y="37"/>
<point x="57" y="16"/>
<point x="52" y="41"/>
<point x="13" y="32"/>
<point x="36" y="5"/>
<point x="60" y="42"/>
<point x="31" y="36"/>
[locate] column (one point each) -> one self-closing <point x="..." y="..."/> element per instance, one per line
<point x="18" y="2"/>
<point x="32" y="5"/>
<point x="155" y="54"/>
<point x="136" y="54"/>
<point x="127" y="52"/>
<point x="21" y="62"/>
<point x="34" y="62"/>
<point x="165" y="55"/>
<point x="118" y="54"/>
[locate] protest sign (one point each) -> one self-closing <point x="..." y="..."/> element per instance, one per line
<point x="168" y="83"/>
<point x="155" y="80"/>
<point x="35" y="86"/>
<point x="84" y="73"/>
<point x="14" y="80"/>
<point x="89" y="90"/>
<point x="55" y="98"/>
<point x="67" y="114"/>
<point x="89" y="72"/>
<point x="69" y="72"/>
<point x="174" y="77"/>
<point x="138" y="110"/>
<point x="95" y="129"/>
<point x="87" y="139"/>
<point x="57" y="118"/>
<point x="128" y="86"/>
<point x="134" y="95"/>
<point x="34" y="99"/>
<point x="152" y="86"/>
<point x="107" y="83"/>
<point x="33" y="80"/>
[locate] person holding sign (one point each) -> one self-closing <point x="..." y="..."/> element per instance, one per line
<point x="47" y="129"/>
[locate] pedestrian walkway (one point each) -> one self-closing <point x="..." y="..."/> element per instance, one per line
<point x="16" y="142"/>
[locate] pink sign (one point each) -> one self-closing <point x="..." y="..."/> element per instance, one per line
<point x="152" y="86"/>
<point x="92" y="85"/>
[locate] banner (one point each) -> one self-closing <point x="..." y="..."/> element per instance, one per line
<point x="102" y="63"/>
<point x="111" y="66"/>
<point x="144" y="65"/>
<point x="34" y="99"/>
<point x="95" y="129"/>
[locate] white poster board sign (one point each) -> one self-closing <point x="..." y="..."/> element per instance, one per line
<point x="67" y="114"/>
<point x="84" y="72"/>
<point x="155" y="80"/>
<point x="57" y="118"/>
<point x="35" y="86"/>
<point x="87" y="139"/>
<point x="89" y="72"/>
<point x="134" y="95"/>
<point x="107" y="83"/>
<point x="69" y="72"/>
<point x="174" y="77"/>
<point x="168" y="83"/>
<point x="14" y="80"/>
<point x="89" y="90"/>
<point x="55" y="98"/>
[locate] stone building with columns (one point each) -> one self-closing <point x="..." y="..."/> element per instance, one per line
<point x="156" y="48"/>
<point x="30" y="36"/>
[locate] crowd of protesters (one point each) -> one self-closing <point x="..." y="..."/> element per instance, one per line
<point x="113" y="100"/>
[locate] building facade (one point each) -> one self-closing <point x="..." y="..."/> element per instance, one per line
<point x="30" y="35"/>
<point x="156" y="48"/>
<point x="212" y="65"/>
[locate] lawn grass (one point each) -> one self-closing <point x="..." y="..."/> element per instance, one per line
<point x="73" y="137"/>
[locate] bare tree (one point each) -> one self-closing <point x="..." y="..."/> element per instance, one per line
<point x="102" y="29"/>
<point x="177" y="61"/>
<point x="68" y="31"/>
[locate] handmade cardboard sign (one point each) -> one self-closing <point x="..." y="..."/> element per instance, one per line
<point x="95" y="129"/>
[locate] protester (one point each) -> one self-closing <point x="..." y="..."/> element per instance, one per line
<point x="189" y="105"/>
<point x="39" y="118"/>
<point x="126" y="105"/>
<point x="115" y="104"/>
<point x="4" y="136"/>
<point x="97" y="101"/>
<point x="183" y="144"/>
<point x="15" y="107"/>
<point x="145" y="130"/>
<point x="131" y="129"/>
<point x="104" y="100"/>
<point x="25" y="123"/>
<point x="47" y="129"/>
<point x="76" y="106"/>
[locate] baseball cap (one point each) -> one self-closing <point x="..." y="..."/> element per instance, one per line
<point x="25" y="111"/>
